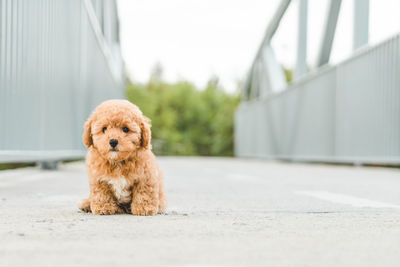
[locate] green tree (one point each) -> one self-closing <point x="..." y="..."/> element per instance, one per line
<point x="185" y="120"/>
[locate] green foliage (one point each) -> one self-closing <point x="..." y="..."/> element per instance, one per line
<point x="7" y="166"/>
<point x="185" y="120"/>
<point x="288" y="75"/>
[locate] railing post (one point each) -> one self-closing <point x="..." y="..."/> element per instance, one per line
<point x="329" y="32"/>
<point x="301" y="64"/>
<point x="361" y="23"/>
<point x="275" y="77"/>
<point x="275" y="73"/>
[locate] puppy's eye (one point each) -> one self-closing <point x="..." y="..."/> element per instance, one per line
<point x="104" y="129"/>
<point x="125" y="129"/>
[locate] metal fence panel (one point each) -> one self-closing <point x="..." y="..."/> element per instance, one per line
<point x="368" y="104"/>
<point x="346" y="113"/>
<point x="310" y="131"/>
<point x="54" y="69"/>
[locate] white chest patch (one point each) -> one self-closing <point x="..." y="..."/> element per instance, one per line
<point x="120" y="188"/>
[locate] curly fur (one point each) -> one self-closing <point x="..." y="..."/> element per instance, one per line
<point x="127" y="178"/>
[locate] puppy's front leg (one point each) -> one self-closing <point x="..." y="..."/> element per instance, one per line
<point x="102" y="200"/>
<point x="145" y="198"/>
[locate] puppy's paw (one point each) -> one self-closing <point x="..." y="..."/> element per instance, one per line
<point x="143" y="210"/>
<point x="84" y="205"/>
<point x="106" y="209"/>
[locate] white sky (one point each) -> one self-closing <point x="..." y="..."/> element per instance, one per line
<point x="195" y="39"/>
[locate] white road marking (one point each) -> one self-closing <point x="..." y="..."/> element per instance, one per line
<point x="349" y="200"/>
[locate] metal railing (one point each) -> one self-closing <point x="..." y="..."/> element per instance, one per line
<point x="58" y="60"/>
<point x="344" y="113"/>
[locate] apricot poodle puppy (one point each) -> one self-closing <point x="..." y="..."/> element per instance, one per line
<point x="123" y="172"/>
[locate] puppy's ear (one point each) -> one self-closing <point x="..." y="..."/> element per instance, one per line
<point x="146" y="133"/>
<point x="87" y="133"/>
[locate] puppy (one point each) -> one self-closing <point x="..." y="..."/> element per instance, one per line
<point x="123" y="172"/>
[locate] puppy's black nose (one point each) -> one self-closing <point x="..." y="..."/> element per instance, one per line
<point x="113" y="142"/>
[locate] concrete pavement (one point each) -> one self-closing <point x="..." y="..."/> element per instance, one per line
<point x="222" y="212"/>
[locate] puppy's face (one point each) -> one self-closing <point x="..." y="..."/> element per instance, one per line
<point x="116" y="140"/>
<point x="117" y="129"/>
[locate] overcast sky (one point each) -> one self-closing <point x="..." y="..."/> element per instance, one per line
<point x="196" y="39"/>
